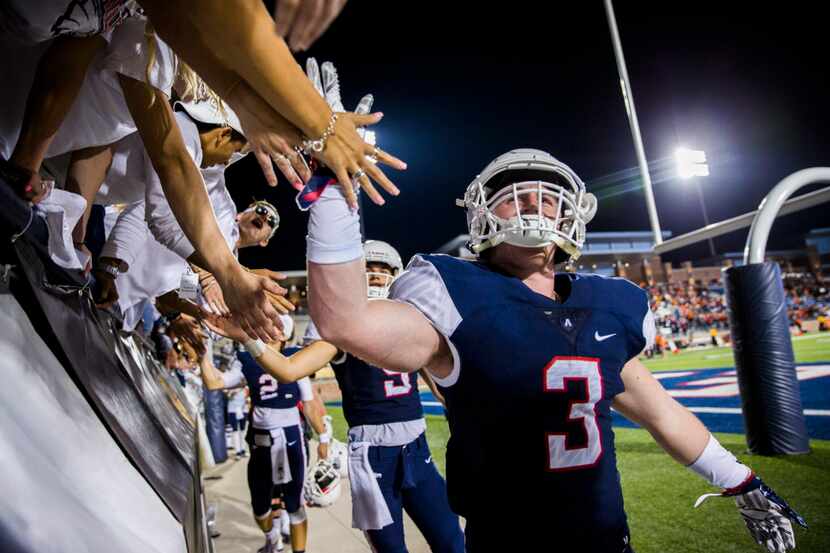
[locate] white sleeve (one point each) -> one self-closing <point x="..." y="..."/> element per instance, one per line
<point x="649" y="328"/>
<point x="311" y="334"/>
<point x="306" y="393"/>
<point x="159" y="215"/>
<point x="129" y="51"/>
<point x="422" y="287"/>
<point x="333" y="229"/>
<point x="128" y="236"/>
<point x="224" y="208"/>
<point x="233" y="377"/>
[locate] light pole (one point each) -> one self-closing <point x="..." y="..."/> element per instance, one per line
<point x="628" y="98"/>
<point x="691" y="164"/>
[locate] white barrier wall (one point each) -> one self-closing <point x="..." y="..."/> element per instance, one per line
<point x="64" y="483"/>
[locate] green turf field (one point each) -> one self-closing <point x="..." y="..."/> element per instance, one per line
<point x="809" y="348"/>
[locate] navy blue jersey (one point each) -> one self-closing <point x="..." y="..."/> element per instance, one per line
<point x="265" y="390"/>
<point x="529" y="398"/>
<point x="376" y="396"/>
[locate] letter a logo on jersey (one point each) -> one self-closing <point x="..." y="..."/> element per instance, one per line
<point x="567" y="324"/>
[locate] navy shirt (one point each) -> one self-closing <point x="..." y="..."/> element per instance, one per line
<point x="529" y="398"/>
<point x="372" y="395"/>
<point x="376" y="396"/>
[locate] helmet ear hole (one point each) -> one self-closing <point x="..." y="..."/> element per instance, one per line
<point x="588" y="206"/>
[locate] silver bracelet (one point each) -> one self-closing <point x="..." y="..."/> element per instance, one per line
<point x="320" y="144"/>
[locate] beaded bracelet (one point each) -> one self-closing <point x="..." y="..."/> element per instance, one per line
<point x="320" y="144"/>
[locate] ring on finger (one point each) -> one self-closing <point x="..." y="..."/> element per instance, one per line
<point x="359" y="174"/>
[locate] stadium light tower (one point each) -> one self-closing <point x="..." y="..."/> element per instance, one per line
<point x="691" y="164"/>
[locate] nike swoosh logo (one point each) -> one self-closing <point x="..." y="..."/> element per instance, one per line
<point x="599" y="338"/>
<point x="428" y="459"/>
<point x="292" y="443"/>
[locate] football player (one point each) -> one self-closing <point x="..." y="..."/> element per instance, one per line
<point x="530" y="362"/>
<point x="390" y="464"/>
<point x="278" y="455"/>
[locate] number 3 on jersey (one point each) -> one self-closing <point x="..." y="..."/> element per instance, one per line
<point x="396" y="390"/>
<point x="556" y="375"/>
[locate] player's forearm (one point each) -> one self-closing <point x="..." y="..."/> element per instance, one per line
<point x="675" y="428"/>
<point x="433" y="388"/>
<point x="303" y="363"/>
<point x="171" y="302"/>
<point x="337" y="299"/>
<point x="648" y="404"/>
<point x="678" y="431"/>
<point x="336" y="273"/>
<point x="314" y="414"/>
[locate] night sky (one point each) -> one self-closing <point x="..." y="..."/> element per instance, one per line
<point x="460" y="87"/>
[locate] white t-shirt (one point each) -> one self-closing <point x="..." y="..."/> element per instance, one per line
<point x="100" y="116"/>
<point x="34" y="21"/>
<point x="153" y="270"/>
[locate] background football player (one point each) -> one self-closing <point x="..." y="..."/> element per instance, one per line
<point x="390" y="464"/>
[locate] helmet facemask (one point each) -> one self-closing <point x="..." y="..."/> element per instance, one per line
<point x="559" y="215"/>
<point x="379" y="290"/>
<point x="381" y="253"/>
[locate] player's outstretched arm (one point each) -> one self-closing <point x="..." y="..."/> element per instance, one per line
<point x="305" y="362"/>
<point x="767" y="516"/>
<point x="646" y="402"/>
<point x="385" y="333"/>
<point x="315" y="413"/>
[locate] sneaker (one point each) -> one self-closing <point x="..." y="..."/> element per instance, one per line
<point x="241" y="453"/>
<point x="272" y="547"/>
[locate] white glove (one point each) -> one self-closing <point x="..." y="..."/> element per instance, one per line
<point x="767" y="516"/>
<point x="327" y="84"/>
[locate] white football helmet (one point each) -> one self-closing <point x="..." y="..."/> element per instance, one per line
<point x="322" y="485"/>
<point x="523" y="172"/>
<point x="376" y="251"/>
<point x="339" y="457"/>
